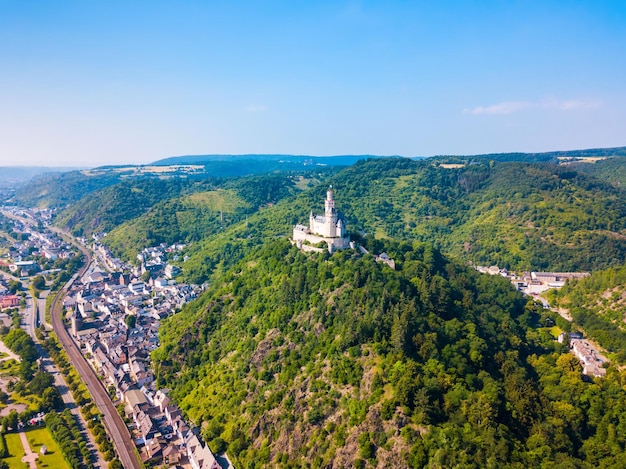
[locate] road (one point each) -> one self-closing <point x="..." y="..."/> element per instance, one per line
<point x="32" y="316"/>
<point x="9" y="276"/>
<point x="115" y="425"/>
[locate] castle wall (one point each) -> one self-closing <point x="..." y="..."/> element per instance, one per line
<point x="329" y="228"/>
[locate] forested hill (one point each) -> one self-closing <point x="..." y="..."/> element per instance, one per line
<point x="108" y="207"/>
<point x="294" y="360"/>
<point x="203" y="212"/>
<point x="598" y="305"/>
<point x="64" y="189"/>
<point x="61" y="189"/>
<point x="517" y="215"/>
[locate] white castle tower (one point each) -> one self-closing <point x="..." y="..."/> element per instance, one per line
<point x="330" y="228"/>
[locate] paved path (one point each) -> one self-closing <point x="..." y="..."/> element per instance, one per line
<point x="29" y="457"/>
<point x="37" y="308"/>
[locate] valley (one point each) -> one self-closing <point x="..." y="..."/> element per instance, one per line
<point x="197" y="312"/>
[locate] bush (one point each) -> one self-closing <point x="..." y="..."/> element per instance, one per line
<point x="218" y="445"/>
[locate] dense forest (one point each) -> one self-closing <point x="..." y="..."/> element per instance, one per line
<point x="290" y="360"/>
<point x="612" y="170"/>
<point x="518" y="215"/>
<point x="598" y="305"/>
<point x="62" y="189"/>
<point x="109" y="207"/>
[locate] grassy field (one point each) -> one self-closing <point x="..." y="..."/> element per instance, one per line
<point x="37" y="437"/>
<point x="224" y="200"/>
<point x="53" y="458"/>
<point x="555" y="331"/>
<point x="16" y="451"/>
<point x="9" y="367"/>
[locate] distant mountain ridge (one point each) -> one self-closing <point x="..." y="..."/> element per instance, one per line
<point x="24" y="173"/>
<point x="546" y="156"/>
<point x="349" y="160"/>
<point x="338" y="160"/>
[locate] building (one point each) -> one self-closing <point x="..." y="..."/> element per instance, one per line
<point x="9" y="301"/>
<point x="24" y="266"/>
<point x="329" y="229"/>
<point x="200" y="456"/>
<point x="171" y="271"/>
<point x="590" y="359"/>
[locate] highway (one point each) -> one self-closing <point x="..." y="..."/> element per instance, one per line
<point x="115" y="425"/>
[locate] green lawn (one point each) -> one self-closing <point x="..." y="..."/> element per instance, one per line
<point x="10" y="367"/>
<point x="555" y="330"/>
<point x="53" y="458"/>
<point x="36" y="438"/>
<point x="16" y="451"/>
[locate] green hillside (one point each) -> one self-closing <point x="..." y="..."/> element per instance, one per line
<point x="61" y="189"/>
<point x="202" y="213"/>
<point x="598" y="305"/>
<point x="291" y="360"/>
<point x="612" y="170"/>
<point x="104" y="209"/>
<point x="517" y="215"/>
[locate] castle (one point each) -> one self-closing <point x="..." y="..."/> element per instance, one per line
<point x="329" y="228"/>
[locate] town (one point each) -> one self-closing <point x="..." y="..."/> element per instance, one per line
<point x="113" y="313"/>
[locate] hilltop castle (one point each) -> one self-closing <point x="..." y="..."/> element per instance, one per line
<point x="329" y="228"/>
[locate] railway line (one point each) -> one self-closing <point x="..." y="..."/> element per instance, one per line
<point x="116" y="427"/>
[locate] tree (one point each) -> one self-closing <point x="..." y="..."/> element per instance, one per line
<point x="39" y="282"/>
<point x="10" y="421"/>
<point x="14" y="286"/>
<point x="25" y="416"/>
<point x="40" y="383"/>
<point x="131" y="320"/>
<point x="51" y="399"/>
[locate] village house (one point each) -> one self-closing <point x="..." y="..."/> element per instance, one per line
<point x="591" y="361"/>
<point x="200" y="456"/>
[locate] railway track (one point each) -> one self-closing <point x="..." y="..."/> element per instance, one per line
<point x="116" y="427"/>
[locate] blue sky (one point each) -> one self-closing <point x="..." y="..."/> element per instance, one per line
<point x="118" y="82"/>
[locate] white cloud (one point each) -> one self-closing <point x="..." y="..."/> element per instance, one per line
<point x="577" y="104"/>
<point x="507" y="107"/>
<point x="510" y="107"/>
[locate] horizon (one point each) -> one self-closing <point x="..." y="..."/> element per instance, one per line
<point x="349" y="78"/>
<point x="77" y="167"/>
